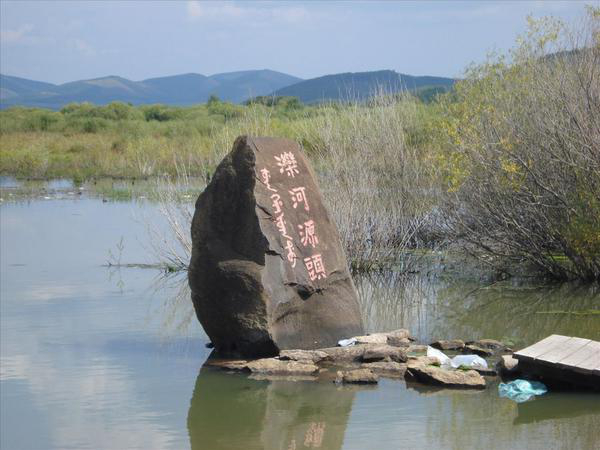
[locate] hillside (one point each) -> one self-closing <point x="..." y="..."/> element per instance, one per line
<point x="11" y="87"/>
<point x="360" y="85"/>
<point x="183" y="89"/>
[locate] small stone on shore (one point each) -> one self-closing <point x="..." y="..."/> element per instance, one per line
<point x="452" y="344"/>
<point x="356" y="376"/>
<point x="381" y="352"/>
<point x="507" y="365"/>
<point x="472" y="348"/>
<point x="398" y="342"/>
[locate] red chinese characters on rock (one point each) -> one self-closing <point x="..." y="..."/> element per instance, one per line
<point x="299" y="196"/>
<point x="307" y="234"/>
<point x="314" y="266"/>
<point x="286" y="162"/>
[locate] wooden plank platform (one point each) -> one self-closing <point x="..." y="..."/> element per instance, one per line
<point x="568" y="359"/>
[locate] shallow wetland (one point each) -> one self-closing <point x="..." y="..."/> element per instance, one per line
<point x="97" y="356"/>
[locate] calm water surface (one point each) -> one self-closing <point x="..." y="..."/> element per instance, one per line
<point x="101" y="358"/>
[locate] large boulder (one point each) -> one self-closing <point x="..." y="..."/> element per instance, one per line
<point x="267" y="270"/>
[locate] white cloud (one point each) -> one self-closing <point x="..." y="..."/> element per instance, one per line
<point x="222" y="10"/>
<point x="10" y="36"/>
<point x="199" y="10"/>
<point x="293" y="14"/>
<point x="84" y="47"/>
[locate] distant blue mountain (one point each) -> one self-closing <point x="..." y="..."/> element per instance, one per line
<point x="361" y="85"/>
<point x="184" y="89"/>
<point x="193" y="88"/>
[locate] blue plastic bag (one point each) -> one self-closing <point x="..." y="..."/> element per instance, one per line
<point x="521" y="390"/>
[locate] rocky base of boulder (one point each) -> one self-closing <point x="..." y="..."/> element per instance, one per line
<point x="388" y="355"/>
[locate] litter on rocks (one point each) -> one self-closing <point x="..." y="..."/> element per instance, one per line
<point x="521" y="390"/>
<point x="347" y="342"/>
<point x="458" y="360"/>
<point x="468" y="360"/>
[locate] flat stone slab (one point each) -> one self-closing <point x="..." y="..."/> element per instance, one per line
<point x="388" y="369"/>
<point x="381" y="352"/>
<point x="311" y="356"/>
<point x="267" y="366"/>
<point x="357" y="376"/>
<point x="274" y="366"/>
<point x="437" y="376"/>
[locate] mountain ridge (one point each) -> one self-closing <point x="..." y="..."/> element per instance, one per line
<point x="193" y="88"/>
<point x="359" y="86"/>
<point x="181" y="89"/>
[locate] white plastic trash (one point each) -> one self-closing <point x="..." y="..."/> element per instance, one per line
<point x="457" y="361"/>
<point x="435" y="353"/>
<point x="346" y="342"/>
<point x="468" y="360"/>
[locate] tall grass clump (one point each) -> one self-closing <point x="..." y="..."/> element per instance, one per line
<point x="378" y="187"/>
<point x="522" y="159"/>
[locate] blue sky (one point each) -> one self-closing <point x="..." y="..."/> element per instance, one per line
<point x="66" y="41"/>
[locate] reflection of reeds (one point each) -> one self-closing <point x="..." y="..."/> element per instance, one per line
<point x="175" y="311"/>
<point x="391" y="300"/>
<point x="433" y="308"/>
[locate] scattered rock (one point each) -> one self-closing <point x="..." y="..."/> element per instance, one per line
<point x="381" y="352"/>
<point x="507" y="365"/>
<point x="434" y="375"/>
<point x="472" y="348"/>
<point x="376" y="338"/>
<point x="311" y="356"/>
<point x="414" y="348"/>
<point x="401" y="333"/>
<point x="491" y="344"/>
<point x="274" y="366"/>
<point x="453" y="344"/>
<point x="256" y="288"/>
<point x="344" y="354"/>
<point x="358" y="376"/>
<point x="386" y="368"/>
<point x="414" y="361"/>
<point x="398" y="342"/>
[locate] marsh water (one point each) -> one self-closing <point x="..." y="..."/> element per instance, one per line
<point x="102" y="357"/>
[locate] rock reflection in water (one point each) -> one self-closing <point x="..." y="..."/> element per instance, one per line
<point x="231" y="411"/>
